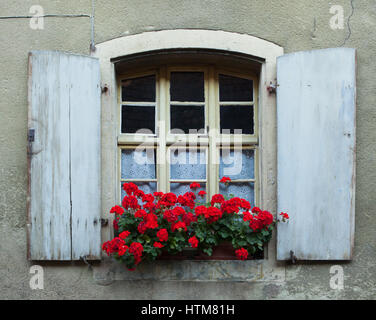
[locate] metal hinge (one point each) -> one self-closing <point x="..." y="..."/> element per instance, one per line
<point x="104" y="222"/>
<point x="30" y="140"/>
<point x="293" y="257"/>
<point x="272" y="88"/>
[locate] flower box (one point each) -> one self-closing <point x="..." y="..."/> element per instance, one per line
<point x="169" y="227"/>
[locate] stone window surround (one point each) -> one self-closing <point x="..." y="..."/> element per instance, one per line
<point x="265" y="51"/>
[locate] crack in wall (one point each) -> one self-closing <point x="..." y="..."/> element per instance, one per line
<point x="348" y="23"/>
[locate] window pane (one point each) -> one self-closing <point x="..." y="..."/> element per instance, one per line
<point x="237" y="118"/>
<point x="235" y="89"/>
<point x="237" y="164"/>
<point x="187" y="86"/>
<point x="187" y="117"/>
<point x="138" y="164"/>
<point x="181" y="188"/>
<point x="244" y="190"/>
<point x="135" y="118"/>
<point x="187" y="164"/>
<point x="146" y="187"/>
<point x="139" y="89"/>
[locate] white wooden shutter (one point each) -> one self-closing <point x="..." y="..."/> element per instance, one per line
<point x="64" y="156"/>
<point x="316" y="153"/>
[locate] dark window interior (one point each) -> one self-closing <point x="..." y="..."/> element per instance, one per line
<point x="187" y="86"/>
<point x="135" y="118"/>
<point x="237" y="117"/>
<point x="235" y="89"/>
<point x="139" y="89"/>
<point x="187" y="117"/>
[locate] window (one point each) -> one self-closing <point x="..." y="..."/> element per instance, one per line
<point x="180" y="124"/>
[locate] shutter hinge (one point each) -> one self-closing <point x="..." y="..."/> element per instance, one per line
<point x="104" y="222"/>
<point x="272" y="88"/>
<point x="104" y="88"/>
<point x="293" y="257"/>
<point x="30" y="140"/>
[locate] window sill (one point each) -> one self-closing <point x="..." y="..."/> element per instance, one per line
<point x="184" y="270"/>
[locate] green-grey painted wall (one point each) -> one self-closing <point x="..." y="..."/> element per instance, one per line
<point x="294" y="24"/>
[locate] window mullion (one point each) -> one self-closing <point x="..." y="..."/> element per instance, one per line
<point x="163" y="109"/>
<point x="213" y="133"/>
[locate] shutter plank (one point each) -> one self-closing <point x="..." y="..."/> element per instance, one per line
<point x="49" y="208"/>
<point x="64" y="170"/>
<point x="85" y="160"/>
<point x="316" y="153"/>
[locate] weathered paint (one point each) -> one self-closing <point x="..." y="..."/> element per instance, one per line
<point x="49" y="215"/>
<point x="316" y="154"/>
<point x="64" y="110"/>
<point x="85" y="137"/>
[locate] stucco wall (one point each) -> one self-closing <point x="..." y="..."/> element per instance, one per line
<point x="294" y="25"/>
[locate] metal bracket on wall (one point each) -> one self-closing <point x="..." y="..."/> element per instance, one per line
<point x="272" y="88"/>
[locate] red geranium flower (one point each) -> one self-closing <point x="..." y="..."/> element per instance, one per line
<point x="284" y="215"/>
<point x="136" y="249"/>
<point x="124" y="235"/>
<point x="129" y="188"/>
<point x="241" y="254"/>
<point x="201" y="210"/>
<point x="158" y="194"/>
<point x="217" y="198"/>
<point x="193" y="241"/>
<point x="194" y="185"/>
<point x="115" y="224"/>
<point x="148" y="198"/>
<point x="140" y="214"/>
<point x="122" y="250"/>
<point x="202" y="193"/>
<point x="139" y="193"/>
<point x="117" y="210"/>
<point x="158" y="245"/>
<point x="247" y="216"/>
<point x="180" y="225"/>
<point x="225" y="180"/>
<point x="162" y="235"/>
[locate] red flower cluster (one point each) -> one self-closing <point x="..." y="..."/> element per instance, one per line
<point x="136" y="249"/>
<point x="231" y="206"/>
<point x="129" y="188"/>
<point x="148" y="221"/>
<point x="225" y="180"/>
<point x="284" y="215"/>
<point x="162" y="235"/>
<point x="113" y="245"/>
<point x="130" y="202"/>
<point x="261" y="220"/>
<point x="217" y="198"/>
<point x="168" y="199"/>
<point x="241" y="254"/>
<point x="187" y="200"/>
<point x="193" y="241"/>
<point x="117" y="210"/>
<point x="202" y="193"/>
<point x="124" y="235"/>
<point x="194" y="185"/>
<point x="158" y="244"/>
<point x="180" y="225"/>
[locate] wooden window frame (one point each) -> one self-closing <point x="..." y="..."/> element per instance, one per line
<point x="163" y="140"/>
